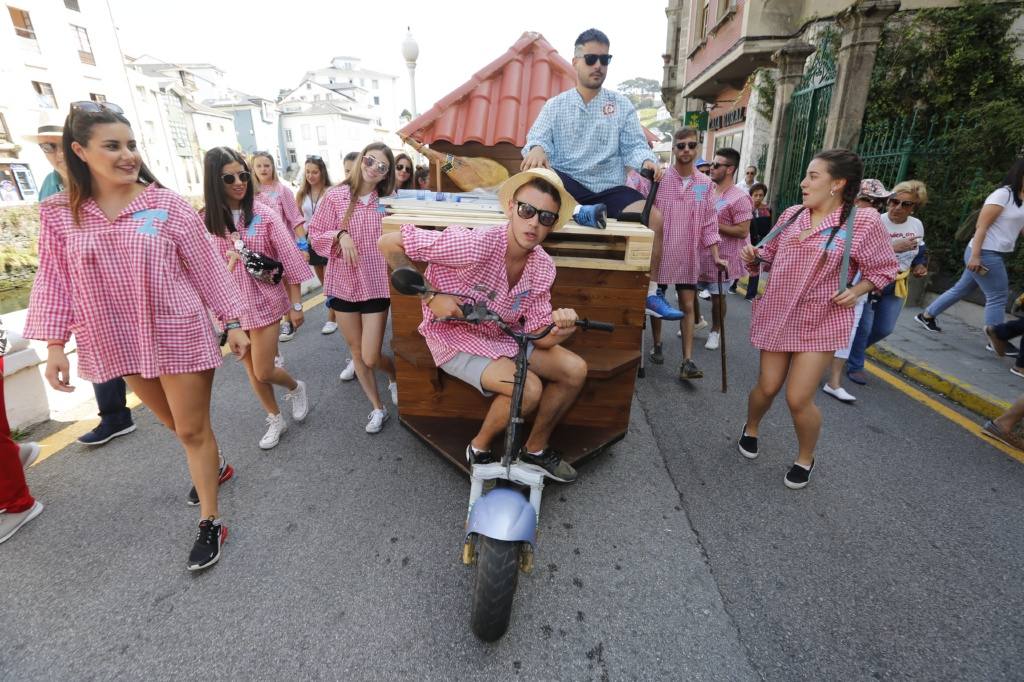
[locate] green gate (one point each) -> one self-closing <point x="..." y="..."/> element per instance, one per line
<point x="806" y="116"/>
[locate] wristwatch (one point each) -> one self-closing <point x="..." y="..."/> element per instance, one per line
<point x="297" y="307"/>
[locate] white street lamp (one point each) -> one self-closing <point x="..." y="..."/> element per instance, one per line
<point x="410" y="50"/>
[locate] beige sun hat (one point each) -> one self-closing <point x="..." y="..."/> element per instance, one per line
<point x="50" y="126"/>
<point x="509" y="188"/>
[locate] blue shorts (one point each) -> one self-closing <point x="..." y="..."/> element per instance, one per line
<point x="615" y="198"/>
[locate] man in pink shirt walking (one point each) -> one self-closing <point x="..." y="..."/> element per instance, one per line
<point x="508" y="264"/>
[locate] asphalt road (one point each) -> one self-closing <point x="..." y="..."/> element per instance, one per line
<point x="671" y="558"/>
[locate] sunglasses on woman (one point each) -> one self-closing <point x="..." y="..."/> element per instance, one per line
<point x="591" y="59"/>
<point x="373" y="164"/>
<point x="49" y="147"/>
<point x="686" y="145"/>
<point x="527" y="211"/>
<point x="90" y="107"/>
<point x="229" y="178"/>
<point x="402" y="167"/>
<point x="905" y="204"/>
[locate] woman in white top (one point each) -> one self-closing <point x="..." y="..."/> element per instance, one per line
<point x="999" y="223"/>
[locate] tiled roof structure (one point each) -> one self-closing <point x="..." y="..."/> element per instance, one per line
<point x="502" y="100"/>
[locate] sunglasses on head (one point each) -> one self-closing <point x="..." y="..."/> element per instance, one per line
<point x="373" y="164"/>
<point x="229" y="178"/>
<point x="893" y="201"/>
<point x="687" y="145"/>
<point x="49" y="147"/>
<point x="715" y="165"/>
<point x="90" y="107"/>
<point x="527" y="211"/>
<point x="591" y="59"/>
<point x="313" y="157"/>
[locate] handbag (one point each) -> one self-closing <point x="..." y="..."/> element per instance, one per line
<point x="261" y="267"/>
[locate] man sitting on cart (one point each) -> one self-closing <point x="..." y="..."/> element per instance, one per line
<point x="503" y="265"/>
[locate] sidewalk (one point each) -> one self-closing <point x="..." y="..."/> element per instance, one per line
<point x="953" y="363"/>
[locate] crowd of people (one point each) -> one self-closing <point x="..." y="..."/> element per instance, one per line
<point x="827" y="281"/>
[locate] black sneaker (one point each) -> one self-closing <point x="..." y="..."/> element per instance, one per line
<point x="748" y="444"/>
<point x="1003" y="348"/>
<point x="206" y="550"/>
<point x="656" y="356"/>
<point x="104" y="433"/>
<point x="474" y="456"/>
<point x="798" y="476"/>
<point x="551" y="463"/>
<point x="928" y="324"/>
<point x="226" y="472"/>
<point x="689" y="370"/>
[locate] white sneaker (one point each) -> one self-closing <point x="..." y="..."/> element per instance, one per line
<point x="279" y="361"/>
<point x="701" y="323"/>
<point x="712" y="342"/>
<point x="300" y="404"/>
<point x="349" y="373"/>
<point x="329" y="327"/>
<point x="704" y="294"/>
<point x="287" y="332"/>
<point x="377" y="419"/>
<point x="840" y="394"/>
<point x="29" y="453"/>
<point x="393" y="387"/>
<point x="10" y="522"/>
<point x="276" y="425"/>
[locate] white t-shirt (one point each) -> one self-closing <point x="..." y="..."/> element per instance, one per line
<point x="1002" y="234"/>
<point x="912" y="227"/>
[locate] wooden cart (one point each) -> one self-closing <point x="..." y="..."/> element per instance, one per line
<point x="602" y="274"/>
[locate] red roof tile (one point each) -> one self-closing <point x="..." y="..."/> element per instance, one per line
<point x="502" y="100"/>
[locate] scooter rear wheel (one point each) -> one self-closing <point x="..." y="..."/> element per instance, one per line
<point x="497" y="575"/>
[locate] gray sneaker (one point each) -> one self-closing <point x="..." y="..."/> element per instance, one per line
<point x="551" y="462"/>
<point x="689" y="370"/>
<point x="657" y="357"/>
<point x="11" y="522"/>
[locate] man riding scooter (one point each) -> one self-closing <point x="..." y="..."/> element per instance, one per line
<point x="504" y="264"/>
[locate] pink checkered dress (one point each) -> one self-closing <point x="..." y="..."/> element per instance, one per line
<point x="281" y="200"/>
<point x="734" y="206"/>
<point x="796" y="313"/>
<point x="462" y="259"/>
<point x="264" y="303"/>
<point x="688" y="207"/>
<point x="368" y="278"/>
<point x="135" y="292"/>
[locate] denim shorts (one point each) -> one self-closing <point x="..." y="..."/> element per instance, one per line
<point x="712" y="287"/>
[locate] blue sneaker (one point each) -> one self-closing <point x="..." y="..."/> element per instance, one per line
<point x="657" y="306"/>
<point x="594" y="215"/>
<point x="104" y="433"/>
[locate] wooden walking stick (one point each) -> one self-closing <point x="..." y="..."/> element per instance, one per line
<point x="721" y="330"/>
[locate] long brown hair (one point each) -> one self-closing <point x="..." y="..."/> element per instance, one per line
<point x="78" y="128"/>
<point x="217" y="214"/>
<point x="411" y="182"/>
<point x="355" y="182"/>
<point x="306" y="187"/>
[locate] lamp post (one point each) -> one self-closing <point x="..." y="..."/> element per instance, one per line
<point x="410" y="50"/>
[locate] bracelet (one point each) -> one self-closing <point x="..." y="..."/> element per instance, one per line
<point x="59" y="344"/>
<point x="234" y="324"/>
<point x="430" y="297"/>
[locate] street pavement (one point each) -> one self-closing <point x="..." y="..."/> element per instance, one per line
<point x="671" y="558"/>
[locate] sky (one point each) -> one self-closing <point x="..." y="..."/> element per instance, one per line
<point x="264" y="47"/>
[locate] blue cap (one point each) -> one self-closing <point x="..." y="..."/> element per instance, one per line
<point x="702" y="162"/>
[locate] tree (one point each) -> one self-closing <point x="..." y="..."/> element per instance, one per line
<point x="640" y="90"/>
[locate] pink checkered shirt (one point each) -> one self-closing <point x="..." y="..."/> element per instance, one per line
<point x="368" y="278"/>
<point x="796" y="313"/>
<point x="688" y="208"/>
<point x="135" y="292"/>
<point x="462" y="260"/>
<point x="264" y="303"/>
<point x="734" y="206"/>
<point x="281" y="200"/>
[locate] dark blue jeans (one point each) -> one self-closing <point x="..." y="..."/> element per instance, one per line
<point x="1007" y="331"/>
<point x="110" y="397"/>
<point x="876" y="322"/>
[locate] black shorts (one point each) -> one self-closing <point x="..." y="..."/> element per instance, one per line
<point x="679" y="287"/>
<point x="374" y="305"/>
<point x="315" y="258"/>
<point x="615" y="198"/>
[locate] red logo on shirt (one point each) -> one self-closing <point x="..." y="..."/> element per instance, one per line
<point x="609" y="109"/>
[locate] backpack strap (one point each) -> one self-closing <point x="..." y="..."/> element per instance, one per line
<point x="780" y="228"/>
<point x="844" y="269"/>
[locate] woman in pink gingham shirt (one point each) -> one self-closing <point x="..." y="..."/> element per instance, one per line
<point x="234" y="218"/>
<point x="801" y="320"/>
<point x="346" y="228"/>
<point x="126" y="266"/>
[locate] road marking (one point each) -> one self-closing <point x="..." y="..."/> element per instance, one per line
<point x="56" y="442"/>
<point x="950" y="414"/>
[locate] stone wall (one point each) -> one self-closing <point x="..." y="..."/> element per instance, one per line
<point x="19" y="245"/>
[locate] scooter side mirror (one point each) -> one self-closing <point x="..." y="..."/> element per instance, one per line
<point x="408" y="280"/>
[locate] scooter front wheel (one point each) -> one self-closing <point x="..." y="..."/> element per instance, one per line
<point x="497" y="575"/>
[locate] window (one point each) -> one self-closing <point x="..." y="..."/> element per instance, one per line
<point x="97" y="97"/>
<point x="307" y="132"/>
<point x="316" y="98"/>
<point x="374" y="84"/>
<point x="209" y="126"/>
<point x="704" y="19"/>
<point x="291" y="156"/>
<point x="376" y="100"/>
<point x="287" y="134"/>
<point x="734" y="140"/>
<point x="309" y="86"/>
<point x="321" y="135"/>
<point x="84" y="46"/>
<point x="5" y="133"/>
<point x="72" y="5"/>
<point x="44" y="95"/>
<point x="362" y="82"/>
<point x="22" y="23"/>
<point x="222" y="128"/>
<point x="142" y="91"/>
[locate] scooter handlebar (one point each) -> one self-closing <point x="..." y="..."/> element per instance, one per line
<point x="595" y="325"/>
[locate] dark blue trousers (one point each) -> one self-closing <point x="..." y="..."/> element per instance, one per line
<point x="110" y="396"/>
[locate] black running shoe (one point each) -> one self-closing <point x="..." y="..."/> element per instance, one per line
<point x="927" y="323"/>
<point x="657" y="357"/>
<point x="689" y="370"/>
<point x="206" y="550"/>
<point x="226" y="472"/>
<point x="474" y="456"/>
<point x="552" y="464"/>
<point x="798" y="476"/>
<point x="748" y="444"/>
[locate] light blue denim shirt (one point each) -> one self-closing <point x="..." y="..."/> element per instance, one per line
<point x="592" y="143"/>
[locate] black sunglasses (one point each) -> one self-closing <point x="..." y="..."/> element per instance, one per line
<point x="403" y="167"/>
<point x="893" y="201"/>
<point x="90" y="107"/>
<point x="715" y="165"/>
<point x="313" y="157"/>
<point x="527" y="211"/>
<point x="49" y="147"/>
<point x="591" y="59"/>
<point x="229" y="178"/>
<point x="687" y="145"/>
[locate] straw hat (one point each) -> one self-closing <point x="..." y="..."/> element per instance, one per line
<point x="49" y="127"/>
<point x="870" y="187"/>
<point x="509" y="188"/>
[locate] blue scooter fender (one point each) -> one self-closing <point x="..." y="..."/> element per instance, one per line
<point x="503" y="514"/>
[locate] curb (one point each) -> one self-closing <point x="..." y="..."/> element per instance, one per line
<point x="960" y="392"/>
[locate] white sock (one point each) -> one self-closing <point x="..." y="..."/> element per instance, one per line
<point x="576" y="210"/>
<point x="652" y="288"/>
